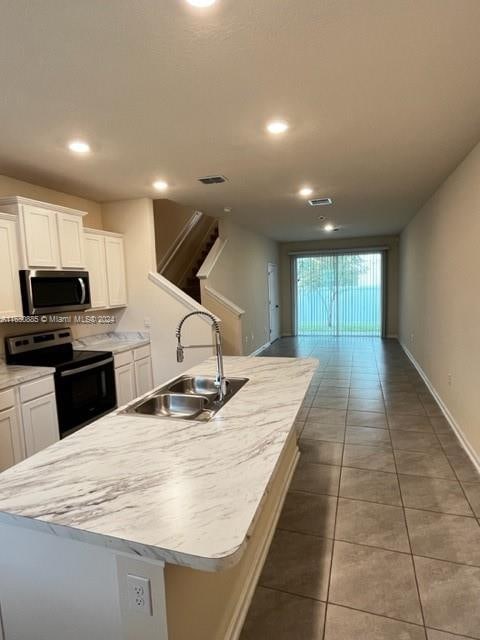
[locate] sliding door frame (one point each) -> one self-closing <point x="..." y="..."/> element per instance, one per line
<point x="383" y="251"/>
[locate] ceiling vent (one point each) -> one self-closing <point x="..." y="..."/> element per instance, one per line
<point x="320" y="202"/>
<point x="213" y="179"/>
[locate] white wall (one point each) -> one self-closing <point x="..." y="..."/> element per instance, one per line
<point x="439" y="299"/>
<point x="240" y="274"/>
<point x="146" y="301"/>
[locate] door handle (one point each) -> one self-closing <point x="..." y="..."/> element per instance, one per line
<point x="83" y="290"/>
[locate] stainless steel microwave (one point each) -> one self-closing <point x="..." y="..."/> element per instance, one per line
<point x="54" y="291"/>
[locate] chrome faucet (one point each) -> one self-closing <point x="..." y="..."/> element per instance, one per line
<point x="220" y="380"/>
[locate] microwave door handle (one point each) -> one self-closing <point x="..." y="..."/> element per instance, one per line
<point x="87" y="367"/>
<point x="83" y="290"/>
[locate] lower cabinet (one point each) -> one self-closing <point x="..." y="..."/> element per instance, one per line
<point x="143" y="376"/>
<point x="40" y="423"/>
<point x="133" y="374"/>
<point x="125" y="384"/>
<point x="11" y="442"/>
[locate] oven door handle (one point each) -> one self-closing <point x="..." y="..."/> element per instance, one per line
<point x="87" y="367"/>
<point x="83" y="290"/>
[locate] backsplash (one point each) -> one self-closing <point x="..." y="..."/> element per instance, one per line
<point x="93" y="325"/>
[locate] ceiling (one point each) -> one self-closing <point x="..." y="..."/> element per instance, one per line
<point x="382" y="97"/>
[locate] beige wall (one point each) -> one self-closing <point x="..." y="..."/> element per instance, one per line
<point x="439" y="301"/>
<point x="342" y="243"/>
<point x="12" y="187"/>
<point x="146" y="301"/>
<point x="240" y="275"/>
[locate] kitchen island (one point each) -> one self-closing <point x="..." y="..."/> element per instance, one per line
<point x="190" y="506"/>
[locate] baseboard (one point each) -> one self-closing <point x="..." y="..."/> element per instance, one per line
<point x="392" y="336"/>
<point x="238" y="619"/>
<point x="260" y="349"/>
<point x="475" y="458"/>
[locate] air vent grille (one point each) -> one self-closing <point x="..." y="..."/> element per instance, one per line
<point x="212" y="179"/>
<point x="320" y="202"/>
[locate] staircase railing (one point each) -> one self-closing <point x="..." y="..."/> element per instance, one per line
<point x="179" y="241"/>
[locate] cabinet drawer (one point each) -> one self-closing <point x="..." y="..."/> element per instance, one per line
<point x="121" y="359"/>
<point x="141" y="352"/>
<point x="7" y="399"/>
<point x="35" y="389"/>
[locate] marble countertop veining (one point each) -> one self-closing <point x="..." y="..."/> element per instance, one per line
<point x="13" y="375"/>
<point x="114" y="341"/>
<point x="184" y="492"/>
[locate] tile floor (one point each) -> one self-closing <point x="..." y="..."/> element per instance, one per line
<point x="379" y="537"/>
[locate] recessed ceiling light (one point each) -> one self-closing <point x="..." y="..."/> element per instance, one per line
<point x="201" y="3"/>
<point x="79" y="146"/>
<point x="160" y="185"/>
<point x="305" y="191"/>
<point x="277" y="126"/>
<point x="227" y="209"/>
<point x="328" y="227"/>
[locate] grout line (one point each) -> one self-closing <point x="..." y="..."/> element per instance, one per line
<point x="409" y="540"/>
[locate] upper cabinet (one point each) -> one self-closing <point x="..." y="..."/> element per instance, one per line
<point x="105" y="260"/>
<point x="10" y="300"/>
<point x="70" y="235"/>
<point x="51" y="237"/>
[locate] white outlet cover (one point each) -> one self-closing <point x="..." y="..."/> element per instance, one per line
<point x="139" y="594"/>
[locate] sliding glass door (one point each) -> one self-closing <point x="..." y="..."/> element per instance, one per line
<point x="339" y="294"/>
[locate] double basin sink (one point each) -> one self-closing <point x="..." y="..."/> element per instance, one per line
<point x="186" y="398"/>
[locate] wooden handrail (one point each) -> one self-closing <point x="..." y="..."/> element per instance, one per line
<point x="180" y="239"/>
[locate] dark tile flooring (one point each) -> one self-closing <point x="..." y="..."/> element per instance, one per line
<point x="379" y="537"/>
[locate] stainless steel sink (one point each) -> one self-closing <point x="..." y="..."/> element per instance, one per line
<point x="178" y="405"/>
<point x="198" y="385"/>
<point x="186" y="398"/>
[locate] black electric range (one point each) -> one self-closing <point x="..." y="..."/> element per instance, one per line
<point x="84" y="380"/>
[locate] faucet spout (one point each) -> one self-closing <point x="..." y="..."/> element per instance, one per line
<point x="220" y="380"/>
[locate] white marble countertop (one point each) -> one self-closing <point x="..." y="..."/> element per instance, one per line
<point x="113" y="341"/>
<point x="12" y="375"/>
<point x="184" y="492"/>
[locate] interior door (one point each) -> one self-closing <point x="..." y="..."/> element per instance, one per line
<point x="273" y="301"/>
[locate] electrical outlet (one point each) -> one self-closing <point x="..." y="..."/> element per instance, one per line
<point x="147" y="323"/>
<point x="139" y="594"/>
<point x="412" y="337"/>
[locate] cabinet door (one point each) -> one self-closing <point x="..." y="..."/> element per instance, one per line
<point x="41" y="246"/>
<point x="117" y="289"/>
<point x="125" y="384"/>
<point x="40" y="423"/>
<point x="143" y="376"/>
<point x="97" y="270"/>
<point x="70" y="239"/>
<point x="11" y="447"/>
<point x="10" y="301"/>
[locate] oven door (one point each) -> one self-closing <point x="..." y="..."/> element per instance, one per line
<point x="84" y="394"/>
<point x="54" y="291"/>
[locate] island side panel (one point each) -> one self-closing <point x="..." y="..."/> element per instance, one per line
<point x="52" y="588"/>
<point x="213" y="606"/>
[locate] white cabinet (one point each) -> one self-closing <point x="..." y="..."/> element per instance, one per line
<point x="115" y="258"/>
<point x="143" y="376"/>
<point x="97" y="270"/>
<point x="40" y="237"/>
<point x="10" y="299"/>
<point x="11" y="442"/>
<point x="133" y="374"/>
<point x="125" y="384"/>
<point x="70" y="238"/>
<point x="51" y="237"/>
<point x="105" y="260"/>
<point x="40" y="423"/>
